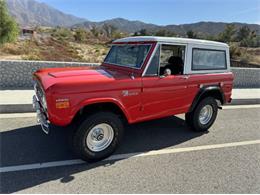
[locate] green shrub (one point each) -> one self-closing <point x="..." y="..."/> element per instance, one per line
<point x="62" y="34"/>
<point x="228" y="34"/>
<point x="8" y="27"/>
<point x="80" y="35"/>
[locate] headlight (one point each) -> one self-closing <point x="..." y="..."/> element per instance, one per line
<point x="44" y="102"/>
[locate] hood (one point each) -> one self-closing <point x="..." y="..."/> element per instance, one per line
<point x="72" y="77"/>
<point x="68" y="72"/>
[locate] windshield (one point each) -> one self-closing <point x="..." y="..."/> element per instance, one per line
<point x="128" y="55"/>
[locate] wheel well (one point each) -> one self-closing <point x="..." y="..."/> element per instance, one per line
<point x="92" y="108"/>
<point x="215" y="93"/>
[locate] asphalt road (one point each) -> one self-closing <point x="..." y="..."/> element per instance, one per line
<point x="229" y="169"/>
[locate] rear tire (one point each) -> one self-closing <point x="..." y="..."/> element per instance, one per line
<point x="203" y="116"/>
<point x="98" y="136"/>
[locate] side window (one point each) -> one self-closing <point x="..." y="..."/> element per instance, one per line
<point x="206" y="59"/>
<point x="154" y="65"/>
<point x="172" y="58"/>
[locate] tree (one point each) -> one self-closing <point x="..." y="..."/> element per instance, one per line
<point x="210" y="37"/>
<point x="247" y="38"/>
<point x="243" y="33"/>
<point x="8" y="27"/>
<point x="228" y="34"/>
<point x="143" y="32"/>
<point x="191" y="34"/>
<point x="161" y="33"/>
<point x="165" y="33"/>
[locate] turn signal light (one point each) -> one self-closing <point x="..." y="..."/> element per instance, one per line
<point x="62" y="103"/>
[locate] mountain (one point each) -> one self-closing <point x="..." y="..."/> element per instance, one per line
<point x="209" y="28"/>
<point x="33" y="13"/>
<point x="206" y="28"/>
<point x="121" y="24"/>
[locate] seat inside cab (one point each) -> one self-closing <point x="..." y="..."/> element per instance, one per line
<point x="172" y="58"/>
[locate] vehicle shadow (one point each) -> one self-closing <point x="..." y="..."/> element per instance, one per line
<point x="29" y="145"/>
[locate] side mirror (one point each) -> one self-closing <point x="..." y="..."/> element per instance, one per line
<point x="167" y="72"/>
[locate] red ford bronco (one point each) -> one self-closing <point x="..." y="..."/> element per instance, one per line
<point x="142" y="78"/>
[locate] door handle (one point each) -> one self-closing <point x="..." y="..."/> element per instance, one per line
<point x="186" y="77"/>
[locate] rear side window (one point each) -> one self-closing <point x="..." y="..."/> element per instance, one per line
<point x="205" y="59"/>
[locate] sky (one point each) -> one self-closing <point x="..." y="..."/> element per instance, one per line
<point x="163" y="12"/>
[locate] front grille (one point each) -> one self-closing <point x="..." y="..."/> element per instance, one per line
<point x="40" y="95"/>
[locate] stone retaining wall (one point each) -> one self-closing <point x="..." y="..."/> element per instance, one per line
<point x="246" y="77"/>
<point x="18" y="74"/>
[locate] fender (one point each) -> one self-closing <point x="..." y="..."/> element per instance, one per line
<point x="102" y="100"/>
<point x="204" y="90"/>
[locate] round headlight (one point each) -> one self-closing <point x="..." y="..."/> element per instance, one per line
<point x="44" y="102"/>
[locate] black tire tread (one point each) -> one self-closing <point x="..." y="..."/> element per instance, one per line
<point x="192" y="117"/>
<point x="78" y="139"/>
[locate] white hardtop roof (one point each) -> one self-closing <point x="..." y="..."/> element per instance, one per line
<point x="170" y="40"/>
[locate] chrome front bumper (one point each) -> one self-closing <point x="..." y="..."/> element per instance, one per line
<point x="41" y="116"/>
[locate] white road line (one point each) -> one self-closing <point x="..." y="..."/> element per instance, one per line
<point x="18" y="115"/>
<point x="125" y="156"/>
<point x="40" y="165"/>
<point x="178" y="150"/>
<point x="241" y="106"/>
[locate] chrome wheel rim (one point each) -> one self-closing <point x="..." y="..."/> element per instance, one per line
<point x="205" y="114"/>
<point x="100" y="137"/>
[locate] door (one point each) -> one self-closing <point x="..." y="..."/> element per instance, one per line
<point x="164" y="95"/>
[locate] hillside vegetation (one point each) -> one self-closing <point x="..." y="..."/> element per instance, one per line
<point x="89" y="41"/>
<point x="79" y="44"/>
<point x="57" y="44"/>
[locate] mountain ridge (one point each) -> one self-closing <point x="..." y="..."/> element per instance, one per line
<point x="34" y="13"/>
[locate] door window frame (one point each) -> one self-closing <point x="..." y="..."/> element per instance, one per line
<point x="159" y="45"/>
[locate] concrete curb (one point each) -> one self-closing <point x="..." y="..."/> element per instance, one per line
<point x="26" y="108"/>
<point x="245" y="101"/>
<point x="16" y="108"/>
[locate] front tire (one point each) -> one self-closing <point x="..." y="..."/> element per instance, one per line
<point x="203" y="116"/>
<point x="98" y="136"/>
